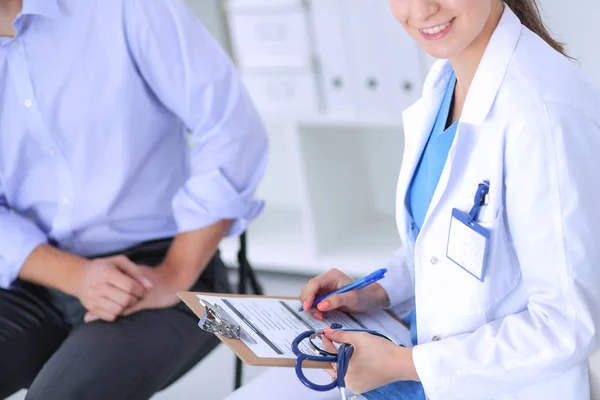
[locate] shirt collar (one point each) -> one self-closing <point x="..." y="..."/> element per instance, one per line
<point x="45" y="8"/>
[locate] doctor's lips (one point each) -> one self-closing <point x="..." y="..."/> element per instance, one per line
<point x="437" y="32"/>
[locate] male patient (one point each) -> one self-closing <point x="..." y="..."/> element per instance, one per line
<point x="105" y="212"/>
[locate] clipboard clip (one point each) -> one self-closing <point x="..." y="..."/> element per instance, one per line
<point x="216" y="320"/>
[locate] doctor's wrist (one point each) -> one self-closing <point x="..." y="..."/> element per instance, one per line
<point x="379" y="296"/>
<point x="404" y="366"/>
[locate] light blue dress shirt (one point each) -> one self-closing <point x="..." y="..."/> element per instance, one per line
<point x="95" y="99"/>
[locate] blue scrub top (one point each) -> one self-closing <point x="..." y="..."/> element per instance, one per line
<point x="428" y="172"/>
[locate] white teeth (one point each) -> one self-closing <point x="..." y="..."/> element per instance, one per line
<point x="436" y="29"/>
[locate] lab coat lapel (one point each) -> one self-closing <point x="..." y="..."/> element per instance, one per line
<point x="483" y="91"/>
<point x="418" y="123"/>
<point x="492" y="69"/>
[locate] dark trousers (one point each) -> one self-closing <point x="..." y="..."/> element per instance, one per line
<point x="46" y="347"/>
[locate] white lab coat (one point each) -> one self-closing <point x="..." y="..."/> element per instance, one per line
<point x="531" y="126"/>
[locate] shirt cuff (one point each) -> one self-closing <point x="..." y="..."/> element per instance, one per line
<point x="208" y="198"/>
<point x="19" y="237"/>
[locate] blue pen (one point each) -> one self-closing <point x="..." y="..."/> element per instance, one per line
<point x="356" y="285"/>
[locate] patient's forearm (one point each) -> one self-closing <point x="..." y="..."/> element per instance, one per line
<point x="52" y="267"/>
<point x="191" y="251"/>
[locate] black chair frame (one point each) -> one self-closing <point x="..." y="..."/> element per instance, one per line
<point x="246" y="277"/>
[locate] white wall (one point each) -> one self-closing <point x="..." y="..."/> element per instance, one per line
<point x="575" y="23"/>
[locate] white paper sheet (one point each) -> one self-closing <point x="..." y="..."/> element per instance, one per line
<point x="274" y="324"/>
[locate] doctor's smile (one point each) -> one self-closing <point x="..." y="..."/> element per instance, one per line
<point x="438" y="31"/>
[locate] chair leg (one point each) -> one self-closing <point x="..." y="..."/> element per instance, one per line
<point x="245" y="273"/>
<point x="239" y="367"/>
<point x="238" y="373"/>
<point x="243" y="264"/>
<point x="256" y="288"/>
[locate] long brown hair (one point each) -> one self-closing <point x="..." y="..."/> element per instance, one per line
<point x="528" y="12"/>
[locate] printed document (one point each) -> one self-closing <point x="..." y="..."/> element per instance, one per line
<point x="273" y="324"/>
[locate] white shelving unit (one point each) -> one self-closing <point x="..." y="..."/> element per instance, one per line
<point x="329" y="190"/>
<point x="334" y="162"/>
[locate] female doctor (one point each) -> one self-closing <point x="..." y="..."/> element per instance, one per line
<point x="498" y="208"/>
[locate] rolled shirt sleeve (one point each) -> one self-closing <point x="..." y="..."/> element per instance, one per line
<point x="18" y="238"/>
<point x="195" y="79"/>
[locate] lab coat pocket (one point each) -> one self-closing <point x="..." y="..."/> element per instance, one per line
<point x="470" y="295"/>
<point x="488" y="214"/>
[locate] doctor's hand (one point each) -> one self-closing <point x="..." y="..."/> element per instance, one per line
<point x="368" y="298"/>
<point x="108" y="286"/>
<point x="375" y="361"/>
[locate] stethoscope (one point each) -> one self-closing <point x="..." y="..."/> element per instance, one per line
<point x="342" y="358"/>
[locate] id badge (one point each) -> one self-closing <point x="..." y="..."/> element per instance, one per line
<point x="468" y="244"/>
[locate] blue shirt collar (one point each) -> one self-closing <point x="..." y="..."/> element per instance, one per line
<point x="45" y="8"/>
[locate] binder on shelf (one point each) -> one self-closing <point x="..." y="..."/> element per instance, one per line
<point x="367" y="41"/>
<point x="336" y="78"/>
<point x="403" y="60"/>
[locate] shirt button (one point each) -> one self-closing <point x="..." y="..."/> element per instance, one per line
<point x="52" y="152"/>
<point x="28" y="103"/>
<point x="434" y="260"/>
<point x="436" y="338"/>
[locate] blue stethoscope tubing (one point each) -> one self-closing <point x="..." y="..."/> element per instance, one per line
<point x="342" y="359"/>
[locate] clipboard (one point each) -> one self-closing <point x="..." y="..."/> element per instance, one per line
<point x="237" y="346"/>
